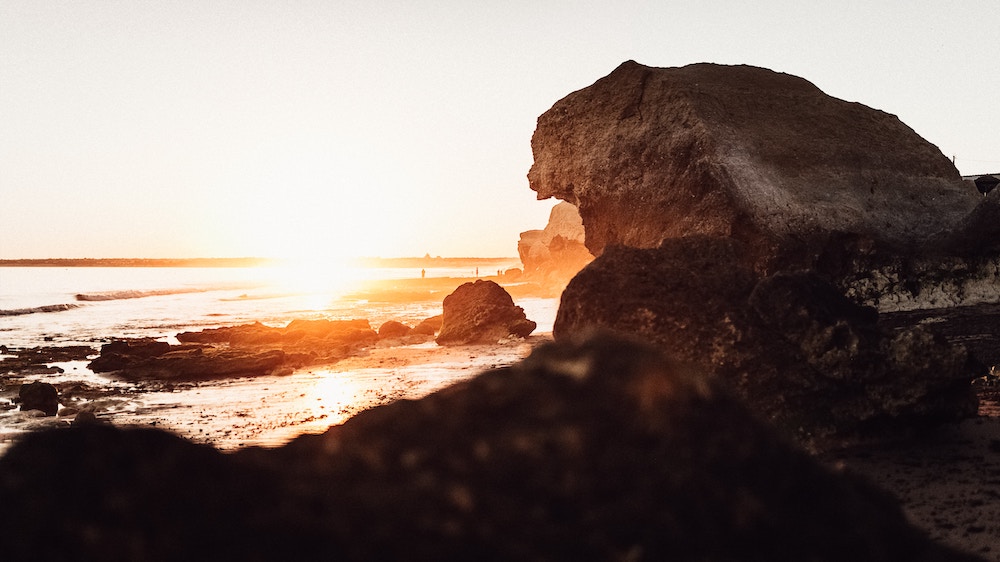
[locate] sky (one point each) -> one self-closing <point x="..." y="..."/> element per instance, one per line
<point x="334" y="128"/>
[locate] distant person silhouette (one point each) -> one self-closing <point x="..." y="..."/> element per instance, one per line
<point x="423" y="273"/>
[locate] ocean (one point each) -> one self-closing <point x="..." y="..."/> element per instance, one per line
<point x="62" y="306"/>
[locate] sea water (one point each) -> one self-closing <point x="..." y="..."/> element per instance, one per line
<point x="56" y="306"/>
<point x="85" y="305"/>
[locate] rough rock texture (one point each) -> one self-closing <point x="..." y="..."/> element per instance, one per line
<point x="481" y="312"/>
<point x="800" y="353"/>
<point x="594" y="450"/>
<point x="247" y="350"/>
<point x="554" y="255"/>
<point x="744" y="152"/>
<point x="39" y="396"/>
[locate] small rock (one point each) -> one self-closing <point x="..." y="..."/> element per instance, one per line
<point x="39" y="396"/>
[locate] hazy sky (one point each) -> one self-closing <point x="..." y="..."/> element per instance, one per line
<point x="287" y="128"/>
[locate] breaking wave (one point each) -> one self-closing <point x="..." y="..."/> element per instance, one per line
<point x="38" y="309"/>
<point x="132" y="294"/>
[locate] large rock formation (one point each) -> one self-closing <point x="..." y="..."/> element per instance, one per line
<point x="737" y="151"/>
<point x="554" y="255"/>
<point x="800" y="181"/>
<point x="800" y="353"/>
<point x="593" y="450"/>
<point x="481" y="312"/>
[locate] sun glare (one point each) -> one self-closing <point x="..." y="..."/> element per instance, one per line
<point x="316" y="282"/>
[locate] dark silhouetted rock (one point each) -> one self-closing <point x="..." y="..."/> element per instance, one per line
<point x="37" y="360"/>
<point x="236" y="351"/>
<point x="39" y="396"/>
<point x="590" y="450"/>
<point x="191" y="362"/>
<point x="121" y="354"/>
<point x="800" y="353"/>
<point x="481" y="312"/>
<point x="297" y="331"/>
<point x="393" y="329"/>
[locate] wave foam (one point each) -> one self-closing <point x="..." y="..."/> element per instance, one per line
<point x="38" y="309"/>
<point x="132" y="294"/>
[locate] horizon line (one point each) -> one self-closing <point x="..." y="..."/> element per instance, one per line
<point x="231" y="261"/>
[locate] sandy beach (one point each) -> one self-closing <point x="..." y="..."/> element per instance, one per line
<point x="947" y="480"/>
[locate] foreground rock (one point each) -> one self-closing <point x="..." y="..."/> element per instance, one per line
<point x="554" y="255"/>
<point x="481" y="312"/>
<point x="805" y="180"/>
<point x="595" y="450"/>
<point x="801" y="354"/>
<point x="236" y="351"/>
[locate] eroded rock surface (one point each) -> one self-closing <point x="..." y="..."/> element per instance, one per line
<point x="481" y="312"/>
<point x="800" y="353"/>
<point x="236" y="351"/>
<point x="552" y="256"/>
<point x="592" y="450"/>
<point x="40" y="396"/>
<point x="738" y="151"/>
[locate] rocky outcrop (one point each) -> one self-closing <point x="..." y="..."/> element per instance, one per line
<point x="38" y="360"/>
<point x="741" y="152"/>
<point x="481" y="312"/>
<point x="236" y="351"/>
<point x="801" y="354"/>
<point x="554" y="255"/>
<point x="591" y="450"/>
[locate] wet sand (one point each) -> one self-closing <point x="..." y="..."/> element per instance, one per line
<point x="271" y="410"/>
<point x="947" y="480"/>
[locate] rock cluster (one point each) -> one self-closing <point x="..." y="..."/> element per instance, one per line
<point x="591" y="450"/>
<point x="481" y="312"/>
<point x="247" y="350"/>
<point x="800" y="353"/>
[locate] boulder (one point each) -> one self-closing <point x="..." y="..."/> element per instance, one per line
<point x="429" y="326"/>
<point x="802" y="355"/>
<point x="39" y="396"/>
<point x="598" y="449"/>
<point x="393" y="329"/>
<point x="481" y="312"/>
<point x="553" y="255"/>
<point x="767" y="158"/>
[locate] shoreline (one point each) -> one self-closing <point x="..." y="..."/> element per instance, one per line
<point x="947" y="481"/>
<point x="268" y="410"/>
<point x="370" y="262"/>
